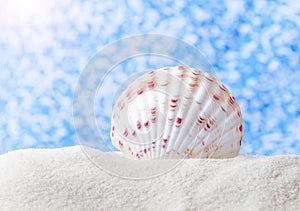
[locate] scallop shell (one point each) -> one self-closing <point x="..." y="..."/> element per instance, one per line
<point x="176" y="112"/>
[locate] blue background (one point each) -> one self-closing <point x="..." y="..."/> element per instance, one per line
<point x="44" y="45"/>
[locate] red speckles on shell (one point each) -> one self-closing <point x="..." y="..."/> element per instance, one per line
<point x="241" y="128"/>
<point x="140" y="91"/>
<point x="231" y="100"/>
<point x="193" y="85"/>
<point x="222" y="87"/>
<point x="200" y="120"/>
<point x="129" y="95"/>
<point x="153" y="111"/>
<point x="181" y="68"/>
<point x="239" y="112"/>
<point x="151" y="85"/>
<point x="138" y="125"/>
<point x="121" y="105"/>
<point x="196" y="73"/>
<point x="173" y="104"/>
<point x="179" y="120"/>
<point x="177" y="111"/>
<point x="164" y="84"/>
<point x="209" y="78"/>
<point x="209" y="124"/>
<point x="179" y="72"/>
<point x="125" y="132"/>
<point x="223" y="109"/>
<point x="216" y="97"/>
<point x="133" y="133"/>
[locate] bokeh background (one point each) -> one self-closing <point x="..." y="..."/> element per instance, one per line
<point x="44" y="46"/>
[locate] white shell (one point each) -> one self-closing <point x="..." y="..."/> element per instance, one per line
<point x="176" y="112"/>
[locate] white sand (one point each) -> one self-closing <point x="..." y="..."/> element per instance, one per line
<point x="64" y="178"/>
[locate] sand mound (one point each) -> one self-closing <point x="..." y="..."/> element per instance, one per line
<point x="56" y="179"/>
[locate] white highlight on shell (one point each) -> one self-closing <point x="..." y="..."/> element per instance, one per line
<point x="176" y="112"/>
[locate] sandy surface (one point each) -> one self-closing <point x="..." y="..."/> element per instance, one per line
<point x="57" y="179"/>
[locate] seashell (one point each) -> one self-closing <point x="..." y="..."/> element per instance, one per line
<point x="176" y="112"/>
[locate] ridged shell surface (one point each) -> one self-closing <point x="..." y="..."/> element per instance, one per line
<point x="176" y="112"/>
